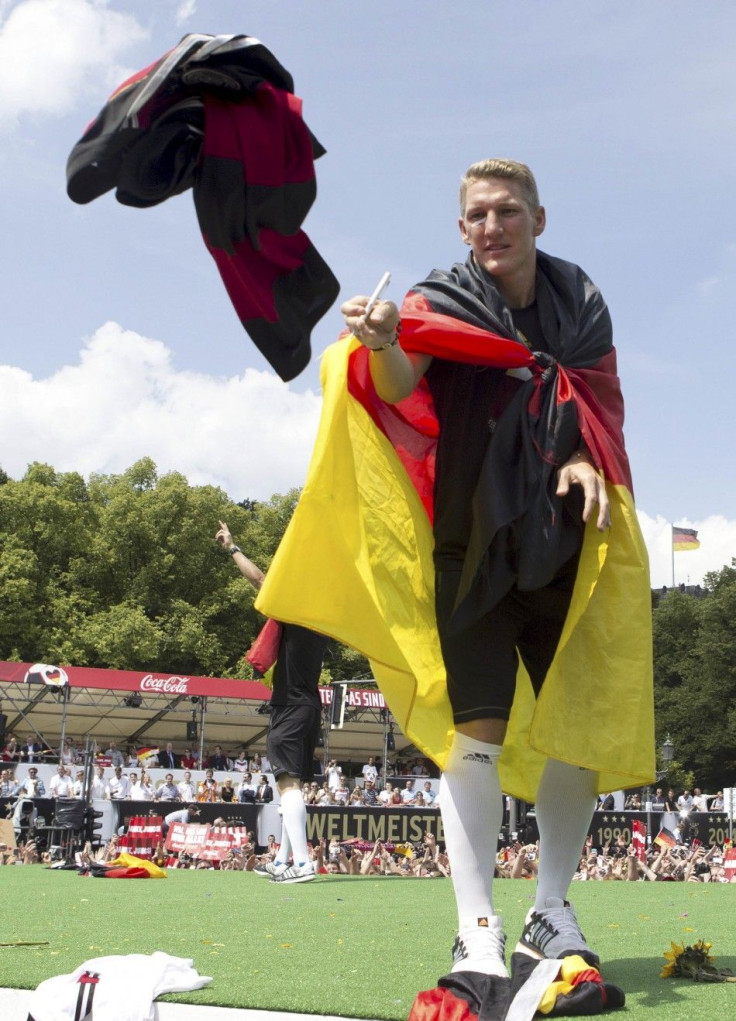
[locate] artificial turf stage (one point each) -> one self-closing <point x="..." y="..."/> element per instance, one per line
<point x="360" y="947"/>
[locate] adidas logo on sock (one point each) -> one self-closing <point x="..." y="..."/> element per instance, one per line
<point x="485" y="760"/>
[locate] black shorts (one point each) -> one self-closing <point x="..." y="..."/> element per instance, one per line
<point x="292" y="738"/>
<point x="482" y="661"/>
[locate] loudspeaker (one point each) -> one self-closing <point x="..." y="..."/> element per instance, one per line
<point x="192" y="733"/>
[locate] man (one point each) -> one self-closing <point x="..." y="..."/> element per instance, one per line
<point x="428" y="794"/>
<point x="247" y="790"/>
<point x="408" y="794"/>
<point x="61" y="785"/>
<point x="99" y="784"/>
<point x="167" y="758"/>
<point x="8" y="786"/>
<point x="78" y="785"/>
<point x="219" y="760"/>
<point x="168" y="791"/>
<point x="369" y="770"/>
<point x="186" y="788"/>
<point x="370" y="794"/>
<point x="264" y="792"/>
<point x="658" y="801"/>
<point x="118" y="788"/>
<point x="115" y="756"/>
<point x="385" y="796"/>
<point x="514" y="488"/>
<point x="293" y="730"/>
<point x="33" y="786"/>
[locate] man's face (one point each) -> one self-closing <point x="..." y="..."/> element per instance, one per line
<point x="169" y="778"/>
<point x="33" y="773"/>
<point x="169" y="747"/>
<point x="187" y="777"/>
<point x="501" y="229"/>
<point x="409" y="784"/>
<point x="60" y="769"/>
<point x="428" y="786"/>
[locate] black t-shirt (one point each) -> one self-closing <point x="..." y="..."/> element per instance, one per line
<point x="298" y="666"/>
<point x="468" y="400"/>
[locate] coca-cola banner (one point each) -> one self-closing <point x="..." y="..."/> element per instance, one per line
<point x="174" y="685"/>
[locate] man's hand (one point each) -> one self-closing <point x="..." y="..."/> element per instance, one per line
<point x="224" y="537"/>
<point x="579" y="472"/>
<point x="378" y="329"/>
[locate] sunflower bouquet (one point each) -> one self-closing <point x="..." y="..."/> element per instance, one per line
<point x="694" y="963"/>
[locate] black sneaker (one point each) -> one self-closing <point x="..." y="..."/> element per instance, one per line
<point x="554" y="933"/>
<point x="481" y="948"/>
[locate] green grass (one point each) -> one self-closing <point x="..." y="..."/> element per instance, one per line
<point x="360" y="947"/>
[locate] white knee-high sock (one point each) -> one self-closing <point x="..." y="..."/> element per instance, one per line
<point x="294" y="813"/>
<point x="284" y="852"/>
<point x="565" y="803"/>
<point x="472" y="812"/>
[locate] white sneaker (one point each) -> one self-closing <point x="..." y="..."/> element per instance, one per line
<point x="269" y="869"/>
<point x="295" y="874"/>
<point x="553" y="932"/>
<point x="481" y="948"/>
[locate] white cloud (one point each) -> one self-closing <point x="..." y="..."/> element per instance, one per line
<point x="125" y="400"/>
<point x="185" y="10"/>
<point x="717" y="536"/>
<point x="53" y="50"/>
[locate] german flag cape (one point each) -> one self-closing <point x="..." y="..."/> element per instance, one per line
<point x="356" y="560"/>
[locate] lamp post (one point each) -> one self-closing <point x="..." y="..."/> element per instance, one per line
<point x="666" y="754"/>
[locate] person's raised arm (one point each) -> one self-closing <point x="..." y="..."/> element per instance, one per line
<point x="394" y="372"/>
<point x="246" y="567"/>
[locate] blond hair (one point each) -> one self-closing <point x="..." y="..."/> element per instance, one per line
<point x="510" y="170"/>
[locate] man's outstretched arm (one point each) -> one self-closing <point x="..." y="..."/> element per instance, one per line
<point x="394" y="372"/>
<point x="246" y="567"/>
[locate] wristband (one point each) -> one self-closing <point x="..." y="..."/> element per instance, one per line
<point x="234" y="549"/>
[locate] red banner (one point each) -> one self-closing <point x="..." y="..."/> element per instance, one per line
<point x="208" y="843"/>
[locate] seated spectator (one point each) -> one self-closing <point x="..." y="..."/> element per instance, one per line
<point x="61" y="785"/>
<point x="324" y="795"/>
<point x="30" y="750"/>
<point x="418" y="800"/>
<point x="186" y="788"/>
<point x="356" y="796"/>
<point x="168" y="791"/>
<point x="189" y="759"/>
<point x="408" y="793"/>
<point x="207" y="788"/>
<point x="118" y="787"/>
<point x="633" y="803"/>
<point x="264" y="793"/>
<point x="227" y="791"/>
<point x="312" y="793"/>
<point x="370" y="794"/>
<point x="265" y="763"/>
<point x="385" y="796"/>
<point x="115" y="756"/>
<point x="396" y="797"/>
<point x="241" y="763"/>
<point x="33" y="786"/>
<point x="427" y="792"/>
<point x="131" y="758"/>
<point x="11" y="751"/>
<point x="247" y="790"/>
<point x="342" y="793"/>
<point x="254" y="765"/>
<point x="8" y="786"/>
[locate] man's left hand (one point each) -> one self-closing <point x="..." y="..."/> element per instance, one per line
<point x="578" y="472"/>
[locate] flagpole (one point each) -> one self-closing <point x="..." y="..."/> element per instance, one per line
<point x="672" y="548"/>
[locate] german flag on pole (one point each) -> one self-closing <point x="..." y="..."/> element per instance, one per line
<point x="665" y="838"/>
<point x="684" y="539"/>
<point x="356" y="561"/>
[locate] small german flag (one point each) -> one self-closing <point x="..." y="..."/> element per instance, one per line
<point x="684" y="538"/>
<point x="665" y="838"/>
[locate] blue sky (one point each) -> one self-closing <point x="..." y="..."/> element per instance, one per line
<point x="118" y="339"/>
